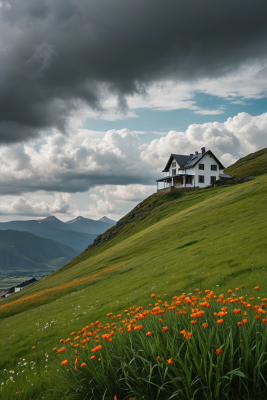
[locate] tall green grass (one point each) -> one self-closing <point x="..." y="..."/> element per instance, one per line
<point x="145" y="362"/>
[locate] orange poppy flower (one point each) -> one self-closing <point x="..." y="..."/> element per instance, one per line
<point x="33" y="347"/>
<point x="91" y="358"/>
<point x="220" y="321"/>
<point x="54" y="349"/>
<point x="170" y="361"/>
<point x="240" y="323"/>
<point x="205" y="325"/>
<point x="148" y="334"/>
<point x="165" y="329"/>
<point x="83" y="365"/>
<point x="158" y="357"/>
<point x="218" y="351"/>
<point x="257" y="288"/>
<point x="65" y="362"/>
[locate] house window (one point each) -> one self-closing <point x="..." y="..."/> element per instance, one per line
<point x="200" y="178"/>
<point x="200" y="166"/>
<point x="174" y="172"/>
<point x="213" y="167"/>
<point x="213" y="179"/>
<point x="174" y="165"/>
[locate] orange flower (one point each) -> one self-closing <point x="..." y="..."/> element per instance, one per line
<point x="236" y="289"/>
<point x="194" y="322"/>
<point x="99" y="359"/>
<point x="257" y="288"/>
<point x="242" y="286"/>
<point x="91" y="358"/>
<point x="188" y="335"/>
<point x="161" y="320"/>
<point x="75" y="363"/>
<point x="205" y="325"/>
<point x="170" y="361"/>
<point x="83" y="365"/>
<point x="153" y="295"/>
<point x="54" y="349"/>
<point x="158" y="357"/>
<point x="165" y="329"/>
<point x="148" y="334"/>
<point x="73" y="333"/>
<point x="65" y="362"/>
<point x="68" y="371"/>
<point x="245" y="321"/>
<point x="62" y="341"/>
<point x="115" y="397"/>
<point x="218" y="351"/>
<point x="220" y="321"/>
<point x="230" y="291"/>
<point x="257" y="317"/>
<point x="33" y="347"/>
<point x="240" y="323"/>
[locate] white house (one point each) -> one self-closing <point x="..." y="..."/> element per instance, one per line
<point x="196" y="170"/>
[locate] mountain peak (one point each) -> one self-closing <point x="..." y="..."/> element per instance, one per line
<point x="52" y="218"/>
<point x="106" y="219"/>
<point x="80" y="218"/>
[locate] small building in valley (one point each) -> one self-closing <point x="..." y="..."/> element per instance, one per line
<point x="19" y="287"/>
<point x="195" y="170"/>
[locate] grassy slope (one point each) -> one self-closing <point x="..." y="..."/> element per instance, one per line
<point x="198" y="238"/>
<point x="252" y="165"/>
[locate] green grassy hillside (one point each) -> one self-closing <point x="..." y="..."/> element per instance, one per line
<point x="253" y="164"/>
<point x="170" y="243"/>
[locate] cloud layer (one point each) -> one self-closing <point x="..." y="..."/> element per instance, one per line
<point x="60" y="56"/>
<point x="78" y="163"/>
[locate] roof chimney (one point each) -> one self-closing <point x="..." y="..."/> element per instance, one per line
<point x="203" y="150"/>
<point x="196" y="152"/>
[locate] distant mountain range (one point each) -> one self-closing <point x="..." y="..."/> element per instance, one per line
<point x="23" y="251"/>
<point x="77" y="233"/>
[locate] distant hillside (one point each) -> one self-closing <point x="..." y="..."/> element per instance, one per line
<point x="21" y="251"/>
<point x="78" y="233"/>
<point x="252" y="165"/>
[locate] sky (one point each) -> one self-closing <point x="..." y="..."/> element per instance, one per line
<point x="96" y="94"/>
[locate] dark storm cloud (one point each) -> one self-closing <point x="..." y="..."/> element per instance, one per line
<point x="54" y="53"/>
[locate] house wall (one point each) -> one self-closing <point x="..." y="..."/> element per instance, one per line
<point x="207" y="160"/>
<point x="177" y="168"/>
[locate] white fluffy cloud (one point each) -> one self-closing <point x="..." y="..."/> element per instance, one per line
<point x="20" y="205"/>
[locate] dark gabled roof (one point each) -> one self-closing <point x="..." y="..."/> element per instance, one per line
<point x="195" y="158"/>
<point x="180" y="159"/>
<point x="23" y="284"/>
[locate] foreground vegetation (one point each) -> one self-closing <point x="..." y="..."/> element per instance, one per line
<point x="174" y="242"/>
<point x="192" y="347"/>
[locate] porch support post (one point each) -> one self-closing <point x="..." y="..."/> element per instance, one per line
<point x="184" y="181"/>
<point x="172" y="180"/>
